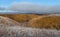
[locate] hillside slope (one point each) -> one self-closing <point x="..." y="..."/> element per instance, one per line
<point x="48" y="22"/>
<point x="8" y="21"/>
<point x="20" y="17"/>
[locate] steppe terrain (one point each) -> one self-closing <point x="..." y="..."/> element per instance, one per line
<point x="29" y="25"/>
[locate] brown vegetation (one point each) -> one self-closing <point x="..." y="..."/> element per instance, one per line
<point x="36" y="21"/>
<point x="20" y="17"/>
<point x="50" y="22"/>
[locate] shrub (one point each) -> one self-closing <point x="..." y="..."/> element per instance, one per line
<point x="48" y="22"/>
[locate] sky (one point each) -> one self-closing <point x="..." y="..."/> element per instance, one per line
<point x="51" y="6"/>
<point x="6" y="3"/>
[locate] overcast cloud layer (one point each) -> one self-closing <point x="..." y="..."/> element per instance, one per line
<point x="27" y="7"/>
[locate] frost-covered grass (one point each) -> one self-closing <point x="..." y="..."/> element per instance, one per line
<point x="17" y="31"/>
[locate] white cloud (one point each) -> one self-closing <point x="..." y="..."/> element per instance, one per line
<point x="27" y="6"/>
<point x="2" y="8"/>
<point x="55" y="8"/>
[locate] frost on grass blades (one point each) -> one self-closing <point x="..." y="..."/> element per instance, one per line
<point x="17" y="31"/>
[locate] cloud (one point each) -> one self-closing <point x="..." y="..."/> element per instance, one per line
<point x="2" y="8"/>
<point x="55" y="9"/>
<point x="28" y="7"/>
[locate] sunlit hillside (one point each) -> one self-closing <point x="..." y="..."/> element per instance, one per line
<point x="50" y="22"/>
<point x="20" y="17"/>
<point x="36" y="21"/>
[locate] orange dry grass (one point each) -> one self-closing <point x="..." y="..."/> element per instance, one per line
<point x="50" y="22"/>
<point x="20" y="17"/>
